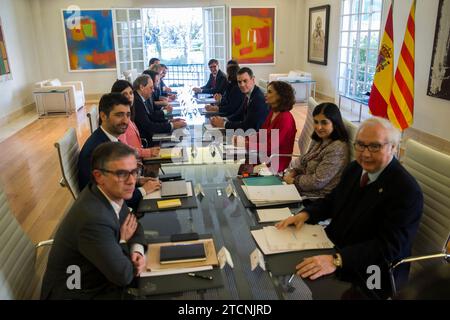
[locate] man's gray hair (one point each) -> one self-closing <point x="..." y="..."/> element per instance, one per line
<point x="142" y="80"/>
<point x="394" y="134"/>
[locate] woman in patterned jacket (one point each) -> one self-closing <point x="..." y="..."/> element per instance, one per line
<point x="319" y="170"/>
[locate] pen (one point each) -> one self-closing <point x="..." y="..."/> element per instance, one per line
<point x="291" y="278"/>
<point x="200" y="276"/>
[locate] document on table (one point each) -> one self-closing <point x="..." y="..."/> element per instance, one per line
<point x="262" y="196"/>
<point x="272" y="215"/>
<point x="271" y="240"/>
<point x="165" y="272"/>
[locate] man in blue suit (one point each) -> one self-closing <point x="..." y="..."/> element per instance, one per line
<point x="150" y="120"/>
<point x="375" y="211"/>
<point x="253" y="110"/>
<point x="114" y="111"/>
<point x="217" y="81"/>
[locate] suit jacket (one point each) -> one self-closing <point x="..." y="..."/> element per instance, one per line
<point x="88" y="237"/>
<point x="84" y="164"/>
<point x="253" y="115"/>
<point x="221" y="83"/>
<point x="373" y="225"/>
<point x="148" y="121"/>
<point x="320" y="169"/>
<point x="231" y="100"/>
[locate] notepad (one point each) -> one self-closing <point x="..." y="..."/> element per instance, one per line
<point x="182" y="253"/>
<point x="262" y="181"/>
<point x="175" y="188"/>
<point x="169" y="153"/>
<point x="171" y="203"/>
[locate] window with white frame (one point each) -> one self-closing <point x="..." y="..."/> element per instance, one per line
<point x="360" y="24"/>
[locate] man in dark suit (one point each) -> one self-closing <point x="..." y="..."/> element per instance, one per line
<point x="114" y="111"/>
<point x="148" y="119"/>
<point x="217" y="81"/>
<point x="375" y="211"/>
<point x="253" y="111"/>
<point x="99" y="246"/>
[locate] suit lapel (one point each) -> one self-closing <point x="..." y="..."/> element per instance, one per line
<point x="373" y="196"/>
<point x="105" y="201"/>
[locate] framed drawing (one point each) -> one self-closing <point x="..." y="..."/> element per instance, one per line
<point x="252" y="35"/>
<point x="319" y="22"/>
<point x="89" y="40"/>
<point x="5" y="71"/>
<point x="439" y="80"/>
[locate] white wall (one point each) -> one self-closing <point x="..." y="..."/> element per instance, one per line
<point x="54" y="61"/>
<point x="430" y="114"/>
<point x="324" y="75"/>
<point x="20" y="45"/>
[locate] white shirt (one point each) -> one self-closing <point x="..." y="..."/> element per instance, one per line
<point x="374" y="176"/>
<point x="135" y="247"/>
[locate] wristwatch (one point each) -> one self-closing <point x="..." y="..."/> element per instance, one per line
<point x="337" y="260"/>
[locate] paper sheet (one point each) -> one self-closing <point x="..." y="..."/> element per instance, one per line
<point x="272" y="215"/>
<point x="271" y="240"/>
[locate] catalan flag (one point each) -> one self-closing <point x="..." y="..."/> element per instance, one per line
<point x="401" y="106"/>
<point x="384" y="74"/>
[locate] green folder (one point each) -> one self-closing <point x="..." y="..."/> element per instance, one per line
<point x="262" y="181"/>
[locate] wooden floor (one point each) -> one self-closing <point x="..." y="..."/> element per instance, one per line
<point x="30" y="171"/>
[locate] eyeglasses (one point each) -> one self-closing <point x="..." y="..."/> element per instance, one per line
<point x="124" y="175"/>
<point x="373" y="147"/>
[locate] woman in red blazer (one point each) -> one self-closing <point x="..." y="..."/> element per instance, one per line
<point x="279" y="134"/>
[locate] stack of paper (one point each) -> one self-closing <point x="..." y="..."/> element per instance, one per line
<point x="273" y="215"/>
<point x="271" y="240"/>
<point x="262" y="196"/>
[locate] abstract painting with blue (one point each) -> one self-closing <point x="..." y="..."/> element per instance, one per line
<point x="90" y="41"/>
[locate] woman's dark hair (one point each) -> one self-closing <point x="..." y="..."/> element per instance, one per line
<point x="332" y="113"/>
<point x="232" y="71"/>
<point x="285" y="93"/>
<point x="121" y="85"/>
<point x="118" y="87"/>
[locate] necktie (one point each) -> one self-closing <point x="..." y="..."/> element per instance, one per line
<point x="213" y="82"/>
<point x="245" y="103"/>
<point x="364" y="180"/>
<point x="148" y="106"/>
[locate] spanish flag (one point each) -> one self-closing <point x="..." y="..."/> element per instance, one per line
<point x="401" y="106"/>
<point x="384" y="74"/>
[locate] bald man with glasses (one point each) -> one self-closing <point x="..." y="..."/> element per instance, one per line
<point x="375" y="211"/>
<point x="99" y="246"/>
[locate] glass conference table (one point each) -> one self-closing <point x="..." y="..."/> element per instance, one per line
<point x="229" y="223"/>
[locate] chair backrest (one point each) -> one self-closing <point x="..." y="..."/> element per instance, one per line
<point x="68" y="152"/>
<point x="351" y="131"/>
<point x="17" y="256"/>
<point x="431" y="170"/>
<point x="304" y="139"/>
<point x="93" y="118"/>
